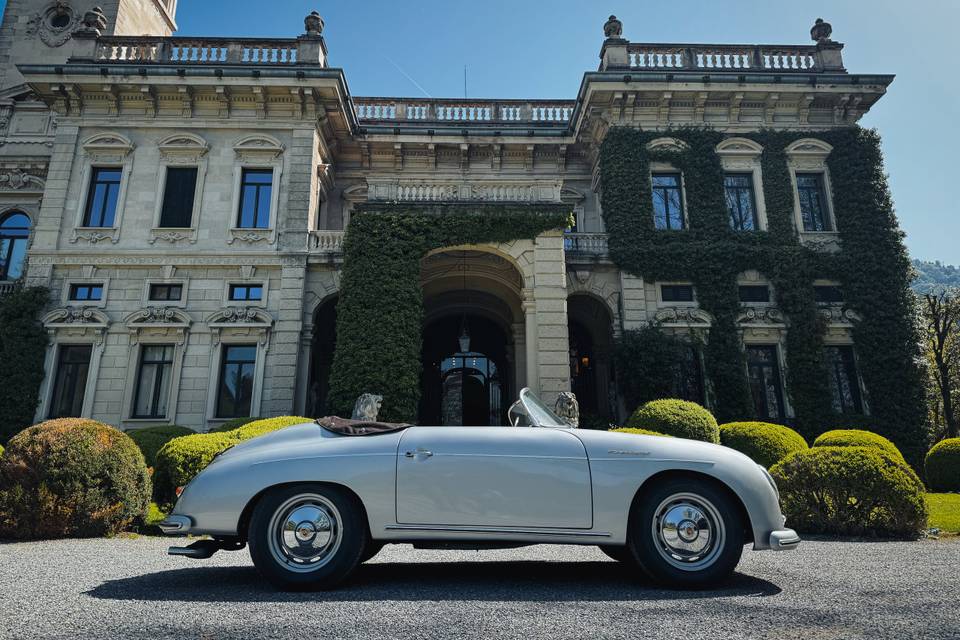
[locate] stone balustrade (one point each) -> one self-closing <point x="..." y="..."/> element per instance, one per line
<point x="716" y="57"/>
<point x="199" y="51"/>
<point x="594" y="244"/>
<point x="327" y="241"/>
<point x="465" y="111"/>
<point x="7" y="288"/>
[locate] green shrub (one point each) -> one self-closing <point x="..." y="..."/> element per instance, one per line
<point x="641" y="432"/>
<point x="233" y="423"/>
<point x="71" y="477"/>
<point x="150" y="439"/>
<point x="180" y="459"/>
<point x="767" y="444"/>
<point x="677" y="418"/>
<point x="1" y="450"/>
<point x="23" y="345"/>
<point x="850" y="491"/>
<point x="857" y="438"/>
<point x="942" y="465"/>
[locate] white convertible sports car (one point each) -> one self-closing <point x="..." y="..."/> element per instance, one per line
<point x="315" y="500"/>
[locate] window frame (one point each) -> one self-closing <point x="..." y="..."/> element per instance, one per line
<point x="258" y="151"/>
<point x="742" y="155"/>
<point x="752" y="188"/>
<point x="180" y="151"/>
<point x="69" y="283"/>
<point x="101" y="151"/>
<point x="14" y="239"/>
<point x="754" y="286"/>
<point x="149" y="330"/>
<point x="158" y="383"/>
<point x="94" y="180"/>
<point x="821" y="192"/>
<point x="152" y="287"/>
<point x="856" y="383"/>
<point x="662" y="300"/>
<point x="775" y="347"/>
<point x="809" y="156"/>
<point x="233" y="286"/>
<point x="250" y="281"/>
<point x="654" y="172"/>
<point x="56" y="379"/>
<point x="221" y="369"/>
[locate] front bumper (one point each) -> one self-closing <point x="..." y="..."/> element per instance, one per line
<point x="176" y="525"/>
<point x="783" y="540"/>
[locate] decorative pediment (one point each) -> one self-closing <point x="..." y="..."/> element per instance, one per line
<point x="107" y="147"/>
<point x="667" y="144"/>
<point x="687" y="316"/>
<point x="356" y="193"/>
<point x="252" y="322"/>
<point x="739" y="147"/>
<point x="78" y="322"/>
<point x="18" y="180"/>
<point x="258" y="146"/>
<point x="158" y="322"/>
<point x="839" y="315"/>
<point x="809" y="147"/>
<point x="569" y="194"/>
<point x="183" y="147"/>
<point x="761" y="315"/>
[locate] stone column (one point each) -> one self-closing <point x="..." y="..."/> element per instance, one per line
<point x="550" y="294"/>
<point x="634" y="301"/>
<point x="532" y="378"/>
<point x="281" y="367"/>
<point x="519" y="357"/>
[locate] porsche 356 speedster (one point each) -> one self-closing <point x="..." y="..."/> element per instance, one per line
<point x="313" y="501"/>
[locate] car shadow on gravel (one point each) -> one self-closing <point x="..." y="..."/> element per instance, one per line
<point x="493" y="581"/>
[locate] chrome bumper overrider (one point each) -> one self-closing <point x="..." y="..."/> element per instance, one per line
<point x="176" y="525"/>
<point x="784" y="540"/>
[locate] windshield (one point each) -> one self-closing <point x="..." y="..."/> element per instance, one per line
<point x="538" y="413"/>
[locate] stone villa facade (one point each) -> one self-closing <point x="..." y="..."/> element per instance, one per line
<point x="185" y="200"/>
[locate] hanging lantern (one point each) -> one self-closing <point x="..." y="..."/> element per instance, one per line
<point x="464" y="338"/>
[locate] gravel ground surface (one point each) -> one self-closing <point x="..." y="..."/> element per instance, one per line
<point x="129" y="588"/>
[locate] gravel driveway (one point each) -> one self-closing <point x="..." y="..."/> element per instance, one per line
<point x="129" y="588"/>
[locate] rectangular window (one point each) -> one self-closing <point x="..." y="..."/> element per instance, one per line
<point x="70" y="382"/>
<point x="667" y="201"/>
<point x="101" y="209"/>
<point x="741" y="201"/>
<point x="754" y="293"/>
<point x="86" y="292"/>
<point x="844" y="383"/>
<point x="256" y="186"/>
<point x="236" y="381"/>
<point x="178" y="194"/>
<point x="763" y="370"/>
<point x="828" y="294"/>
<point x="676" y="292"/>
<point x="813" y="202"/>
<point x="250" y="292"/>
<point x="153" y="381"/>
<point x="166" y="292"/>
<point x="688" y="376"/>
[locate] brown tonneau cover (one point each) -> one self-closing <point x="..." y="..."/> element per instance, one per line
<point x="344" y="427"/>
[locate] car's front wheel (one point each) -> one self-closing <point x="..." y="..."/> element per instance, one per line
<point x="307" y="536"/>
<point x="686" y="533"/>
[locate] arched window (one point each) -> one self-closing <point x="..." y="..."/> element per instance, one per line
<point x="14" y="235"/>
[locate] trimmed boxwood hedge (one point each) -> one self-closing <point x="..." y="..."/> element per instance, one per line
<point x="856" y="438"/>
<point x="677" y="418"/>
<point x="862" y="491"/>
<point x="942" y="465"/>
<point x="150" y="439"/>
<point x="233" y="423"/>
<point x="765" y="443"/>
<point x="71" y="477"/>
<point x="641" y="432"/>
<point x="180" y="459"/>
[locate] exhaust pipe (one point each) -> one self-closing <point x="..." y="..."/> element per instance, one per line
<point x="203" y="549"/>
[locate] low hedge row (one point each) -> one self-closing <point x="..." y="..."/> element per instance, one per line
<point x="640" y="432"/>
<point x="71" y="477"/>
<point x="942" y="465"/>
<point x="151" y="439"/>
<point x="766" y="443"/>
<point x="677" y="418"/>
<point x="180" y="459"/>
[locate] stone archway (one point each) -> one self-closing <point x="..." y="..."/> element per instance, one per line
<point x="322" y="346"/>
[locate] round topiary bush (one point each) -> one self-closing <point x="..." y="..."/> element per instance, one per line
<point x="180" y="459"/>
<point x="857" y="438"/>
<point x="150" y="439"/>
<point x="677" y="418"/>
<point x="642" y="432"/>
<point x="861" y="491"/>
<point x="942" y="465"/>
<point x="71" y="477"/>
<point x="766" y="443"/>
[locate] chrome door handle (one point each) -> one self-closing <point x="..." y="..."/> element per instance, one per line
<point x="418" y="452"/>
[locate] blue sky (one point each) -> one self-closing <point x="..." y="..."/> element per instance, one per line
<point x="525" y="49"/>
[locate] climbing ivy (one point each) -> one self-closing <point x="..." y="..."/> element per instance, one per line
<point x="380" y="312"/>
<point x="872" y="268"/>
<point x="23" y="344"/>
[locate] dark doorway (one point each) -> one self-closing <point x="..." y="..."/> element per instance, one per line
<point x="583" y="365"/>
<point x="461" y="383"/>
<point x="321" y="358"/>
<point x="590" y="331"/>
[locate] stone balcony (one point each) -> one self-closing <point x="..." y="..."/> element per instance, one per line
<point x="450" y="111"/>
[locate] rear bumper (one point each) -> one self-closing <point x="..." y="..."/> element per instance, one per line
<point x="784" y="540"/>
<point x="176" y="525"/>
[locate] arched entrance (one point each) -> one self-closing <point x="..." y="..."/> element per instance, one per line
<point x="590" y="328"/>
<point x="473" y="323"/>
<point x="321" y="357"/>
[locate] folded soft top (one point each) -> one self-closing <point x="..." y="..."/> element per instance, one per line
<point x="345" y="427"/>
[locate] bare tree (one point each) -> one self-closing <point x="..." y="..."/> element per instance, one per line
<point x="941" y="314"/>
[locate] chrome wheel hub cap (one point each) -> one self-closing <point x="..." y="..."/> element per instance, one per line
<point x="688" y="531"/>
<point x="305" y="532"/>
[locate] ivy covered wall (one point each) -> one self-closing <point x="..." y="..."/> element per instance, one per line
<point x="872" y="267"/>
<point x="23" y="343"/>
<point x="380" y="312"/>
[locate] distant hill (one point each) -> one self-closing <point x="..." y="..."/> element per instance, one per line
<point x="933" y="276"/>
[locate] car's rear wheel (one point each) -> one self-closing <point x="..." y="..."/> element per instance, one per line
<point x="372" y="549"/>
<point x="620" y="553"/>
<point x="686" y="533"/>
<point x="307" y="536"/>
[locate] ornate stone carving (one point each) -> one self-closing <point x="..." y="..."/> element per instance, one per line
<point x="367" y="407"/>
<point x="761" y="315"/>
<point x="682" y="315"/>
<point x="55" y="25"/>
<point x="612" y="28"/>
<point x="836" y="314"/>
<point x="94" y="21"/>
<point x="158" y="321"/>
<point x="16" y="179"/>
<point x="169" y="236"/>
<point x="241" y="315"/>
<point x="76" y="316"/>
<point x="158" y="315"/>
<point x="249" y="237"/>
<point x="313" y="24"/>
<point x="93" y="237"/>
<point x="821" y="31"/>
<point x="568" y="408"/>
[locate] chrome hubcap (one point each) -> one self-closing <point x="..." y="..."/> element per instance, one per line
<point x="305" y="532"/>
<point x="688" y="531"/>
